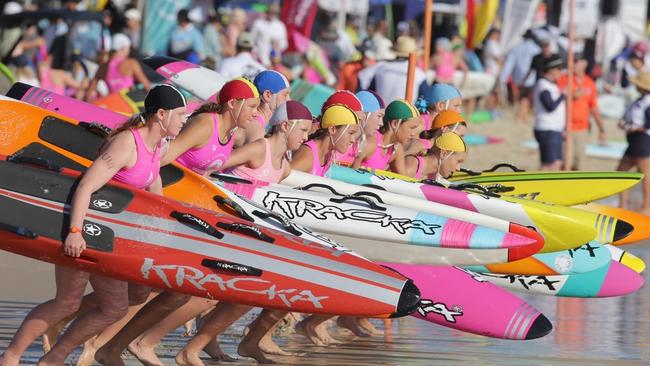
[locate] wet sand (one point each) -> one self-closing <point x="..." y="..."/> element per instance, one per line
<point x="586" y="331"/>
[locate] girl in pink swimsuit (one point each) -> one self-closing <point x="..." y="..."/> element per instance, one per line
<point x="435" y="99"/>
<point x="372" y="113"/>
<point x="267" y="159"/>
<point x="274" y="90"/>
<point x="121" y="71"/>
<point x="440" y="161"/>
<point x="207" y="142"/>
<point x="339" y="126"/>
<point x="386" y="148"/>
<point x="131" y="156"/>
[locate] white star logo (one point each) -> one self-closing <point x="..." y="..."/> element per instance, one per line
<point x="103" y="204"/>
<point x="92" y="230"/>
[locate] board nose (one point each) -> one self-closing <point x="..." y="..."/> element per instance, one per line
<point x="408" y="301"/>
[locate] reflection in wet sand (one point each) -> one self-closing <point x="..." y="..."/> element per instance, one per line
<point x="587" y="331"/>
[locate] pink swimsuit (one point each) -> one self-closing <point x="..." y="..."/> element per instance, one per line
<point x="378" y="160"/>
<point x="266" y="172"/>
<point x="115" y="80"/>
<point x="418" y="173"/>
<point x="146" y="168"/>
<point x="209" y="157"/>
<point x="445" y="70"/>
<point x="316" y="168"/>
<point x="348" y="157"/>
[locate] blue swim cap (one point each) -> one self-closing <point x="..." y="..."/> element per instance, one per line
<point x="370" y="101"/>
<point x="438" y="92"/>
<point x="270" y="80"/>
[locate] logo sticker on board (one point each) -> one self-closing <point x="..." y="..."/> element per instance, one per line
<point x="92" y="230"/>
<point x="102" y="204"/>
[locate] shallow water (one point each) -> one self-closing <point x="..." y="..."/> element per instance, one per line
<point x="586" y="332"/>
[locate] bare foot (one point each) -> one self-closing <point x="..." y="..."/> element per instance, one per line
<point x="324" y="335"/>
<point x="184" y="358"/>
<point x="304" y="328"/>
<point x="351" y="324"/>
<point x="267" y="345"/>
<point x="87" y="356"/>
<point x="9" y="360"/>
<point x="144" y="353"/>
<point x="214" y="351"/>
<point x="365" y="324"/>
<point x="105" y="357"/>
<point x="189" y="328"/>
<point x="246" y="349"/>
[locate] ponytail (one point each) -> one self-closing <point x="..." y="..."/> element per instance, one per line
<point x="136" y="121"/>
<point x="208" y="107"/>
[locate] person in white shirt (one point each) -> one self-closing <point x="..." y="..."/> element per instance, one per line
<point x="270" y="34"/>
<point x="243" y="63"/>
<point x="390" y="77"/>
<point x="550" y="115"/>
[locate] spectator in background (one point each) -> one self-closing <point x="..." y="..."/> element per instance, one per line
<point x="185" y="42"/>
<point x="390" y="77"/>
<point x="550" y="118"/>
<point x="243" y="63"/>
<point x="516" y="65"/>
<point x="539" y="61"/>
<point x="212" y="42"/>
<point x="446" y="61"/>
<point x="121" y="71"/>
<point x="133" y="27"/>
<point x="270" y="34"/>
<point x="236" y="25"/>
<point x="492" y="61"/>
<point x="584" y="104"/>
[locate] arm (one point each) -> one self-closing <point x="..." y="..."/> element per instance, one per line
<point x="548" y="103"/>
<point x="251" y="155"/>
<point x="411" y="165"/>
<point x="194" y="135"/>
<point x="156" y="187"/>
<point x="303" y="160"/>
<point x="397" y="163"/>
<point x="139" y="75"/>
<point x="116" y="156"/>
<point x="368" y="150"/>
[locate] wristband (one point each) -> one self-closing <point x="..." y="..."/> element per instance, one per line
<point x="74" y="230"/>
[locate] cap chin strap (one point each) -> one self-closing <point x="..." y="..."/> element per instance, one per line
<point x="333" y="151"/>
<point x="447" y="104"/>
<point x="439" y="178"/>
<point x="236" y="119"/>
<point x="388" y="146"/>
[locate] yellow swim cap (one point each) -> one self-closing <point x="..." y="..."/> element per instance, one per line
<point x="338" y="115"/>
<point x="450" y="141"/>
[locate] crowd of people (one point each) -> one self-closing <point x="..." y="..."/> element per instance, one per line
<point x="255" y="131"/>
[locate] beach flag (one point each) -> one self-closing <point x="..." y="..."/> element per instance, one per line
<point x="298" y="16"/>
<point x="479" y="18"/>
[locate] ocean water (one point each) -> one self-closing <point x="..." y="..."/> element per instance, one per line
<point x="613" y="331"/>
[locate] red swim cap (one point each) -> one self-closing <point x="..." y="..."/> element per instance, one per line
<point x="238" y="88"/>
<point x="343" y="97"/>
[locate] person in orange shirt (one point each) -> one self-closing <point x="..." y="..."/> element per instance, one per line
<point x="348" y="75"/>
<point x="584" y="104"/>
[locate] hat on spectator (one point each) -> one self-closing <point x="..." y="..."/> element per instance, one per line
<point x="120" y="41"/>
<point x="245" y="40"/>
<point x="133" y="14"/>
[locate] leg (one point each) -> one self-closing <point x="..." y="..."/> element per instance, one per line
<point x="113" y="301"/>
<point x="579" y="139"/>
<point x="52" y="333"/>
<point x="351" y="323"/>
<point x="261" y="329"/>
<point x="153" y="312"/>
<point x="143" y="346"/>
<point x="137" y="293"/>
<point x="218" y="320"/>
<point x="314" y="328"/>
<point x="644" y="167"/>
<point x="70" y="286"/>
<point x="626" y="163"/>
